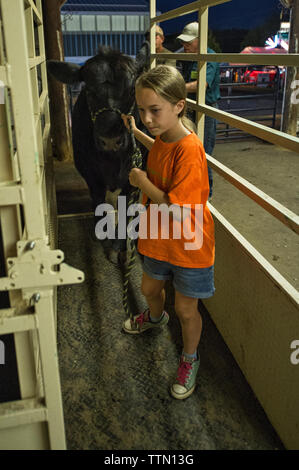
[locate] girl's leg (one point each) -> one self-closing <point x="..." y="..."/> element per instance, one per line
<point x="190" y="320"/>
<point x="156" y="317"/>
<point x="191" y="323"/>
<point x="154" y="292"/>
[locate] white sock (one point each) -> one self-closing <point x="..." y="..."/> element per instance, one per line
<point x="154" y="319"/>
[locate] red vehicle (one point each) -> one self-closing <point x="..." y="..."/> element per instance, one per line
<point x="260" y="75"/>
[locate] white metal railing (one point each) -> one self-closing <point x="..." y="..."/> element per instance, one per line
<point x="255" y="308"/>
<point x="271" y="135"/>
<point x="27" y="219"/>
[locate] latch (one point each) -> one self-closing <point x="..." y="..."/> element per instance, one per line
<point x="36" y="265"/>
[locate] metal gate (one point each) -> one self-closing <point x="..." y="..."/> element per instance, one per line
<point x="254" y="308"/>
<point x="31" y="267"/>
<point x="248" y="100"/>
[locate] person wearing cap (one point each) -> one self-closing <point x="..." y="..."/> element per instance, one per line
<point x="160" y="49"/>
<point x="189" y="40"/>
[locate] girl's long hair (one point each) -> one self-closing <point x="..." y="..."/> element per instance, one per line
<point x="167" y="82"/>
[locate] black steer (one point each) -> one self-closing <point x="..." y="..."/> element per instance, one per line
<point x="101" y="143"/>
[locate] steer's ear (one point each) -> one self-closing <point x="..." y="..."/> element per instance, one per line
<point x="65" y="72"/>
<point x="143" y="57"/>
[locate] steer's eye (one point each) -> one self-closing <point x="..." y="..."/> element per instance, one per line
<point x="118" y="141"/>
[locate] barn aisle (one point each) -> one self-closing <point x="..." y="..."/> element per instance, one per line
<point x="116" y="387"/>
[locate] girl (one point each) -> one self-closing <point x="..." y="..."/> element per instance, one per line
<point x="176" y="175"/>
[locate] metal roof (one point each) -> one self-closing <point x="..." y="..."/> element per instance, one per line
<point x="105" y="5"/>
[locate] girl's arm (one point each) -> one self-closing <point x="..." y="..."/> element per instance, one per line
<point x="191" y="87"/>
<point x="155" y="194"/>
<point x="139" y="179"/>
<point x="146" y="140"/>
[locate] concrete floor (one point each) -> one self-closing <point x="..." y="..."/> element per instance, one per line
<point x="116" y="387"/>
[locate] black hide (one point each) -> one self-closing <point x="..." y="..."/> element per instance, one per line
<point x="102" y="145"/>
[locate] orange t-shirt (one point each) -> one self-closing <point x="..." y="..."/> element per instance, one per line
<point x="180" y="170"/>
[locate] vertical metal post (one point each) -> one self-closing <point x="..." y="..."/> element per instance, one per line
<point x="50" y="370"/>
<point x="17" y="56"/>
<point x="276" y="91"/>
<point x="25" y="168"/>
<point x="153" y="33"/>
<point x="202" y="68"/>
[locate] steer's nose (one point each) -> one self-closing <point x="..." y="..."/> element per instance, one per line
<point x="110" y="144"/>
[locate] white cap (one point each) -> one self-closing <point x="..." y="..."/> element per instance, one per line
<point x="189" y="33"/>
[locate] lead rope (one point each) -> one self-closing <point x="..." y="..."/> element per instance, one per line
<point x="136" y="160"/>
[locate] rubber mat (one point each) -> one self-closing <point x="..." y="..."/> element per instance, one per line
<point x="116" y="386"/>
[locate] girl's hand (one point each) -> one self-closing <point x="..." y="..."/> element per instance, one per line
<point x="136" y="177"/>
<point x="126" y="118"/>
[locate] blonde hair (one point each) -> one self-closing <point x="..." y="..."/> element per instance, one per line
<point x="159" y="31"/>
<point x="167" y="82"/>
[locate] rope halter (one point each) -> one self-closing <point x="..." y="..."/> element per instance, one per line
<point x="94" y="116"/>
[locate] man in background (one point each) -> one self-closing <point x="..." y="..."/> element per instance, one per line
<point x="189" y="40"/>
<point x="160" y="49"/>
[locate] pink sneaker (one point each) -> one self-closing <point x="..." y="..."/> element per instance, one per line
<point x="186" y="376"/>
<point x="142" y="323"/>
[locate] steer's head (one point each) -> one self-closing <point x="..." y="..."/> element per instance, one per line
<point x="109" y="79"/>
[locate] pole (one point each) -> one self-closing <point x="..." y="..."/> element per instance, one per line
<point x="290" y="115"/>
<point x="59" y="114"/>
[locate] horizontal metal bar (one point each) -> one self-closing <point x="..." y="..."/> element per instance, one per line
<point x="263" y="132"/>
<point x="232" y="137"/>
<point x="186" y="9"/>
<point x="177" y="56"/>
<point x="78" y="215"/>
<point x="34" y="61"/>
<point x="240" y="110"/>
<point x="230" y="130"/>
<point x="245" y="97"/>
<point x="10" y="322"/>
<point x="17" y="413"/>
<point x="243" y="84"/>
<point x="260" y="262"/>
<point x="287" y="217"/>
<point x="255" y="59"/>
<point x="10" y="195"/>
<point x="225" y="130"/>
<point x="289" y="60"/>
<point x="261" y="118"/>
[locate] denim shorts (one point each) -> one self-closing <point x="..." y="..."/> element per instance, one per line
<point x="191" y="282"/>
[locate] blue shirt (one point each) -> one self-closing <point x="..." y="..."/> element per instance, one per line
<point x="190" y="73"/>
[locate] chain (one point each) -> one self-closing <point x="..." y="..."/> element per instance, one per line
<point x="136" y="160"/>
